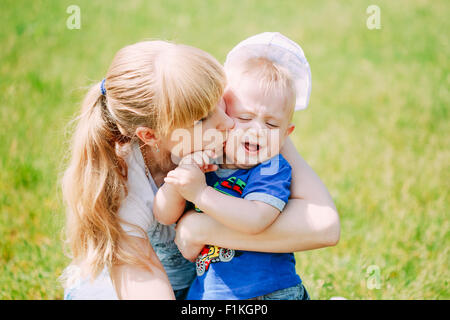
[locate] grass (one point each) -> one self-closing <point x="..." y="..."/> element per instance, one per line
<point x="376" y="132"/>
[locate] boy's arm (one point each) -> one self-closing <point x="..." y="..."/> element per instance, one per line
<point x="239" y="214"/>
<point x="168" y="205"/>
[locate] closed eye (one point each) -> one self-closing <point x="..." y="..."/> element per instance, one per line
<point x="272" y="125"/>
<point x="202" y="119"/>
<point x="198" y="122"/>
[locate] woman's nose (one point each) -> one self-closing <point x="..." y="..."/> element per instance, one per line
<point x="225" y="122"/>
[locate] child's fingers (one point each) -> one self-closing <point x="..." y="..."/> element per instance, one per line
<point x="206" y="157"/>
<point x="210" y="154"/>
<point x="171" y="180"/>
<point x="191" y="159"/>
<point x="178" y="172"/>
<point x="202" y="158"/>
<point x="210" y="167"/>
<point x="187" y="160"/>
<point x="172" y="173"/>
<point x="197" y="159"/>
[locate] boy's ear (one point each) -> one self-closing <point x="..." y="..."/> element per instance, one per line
<point x="147" y="135"/>
<point x="290" y="128"/>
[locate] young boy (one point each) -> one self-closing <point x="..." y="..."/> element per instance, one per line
<point x="252" y="186"/>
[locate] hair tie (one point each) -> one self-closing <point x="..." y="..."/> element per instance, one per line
<point x="102" y="87"/>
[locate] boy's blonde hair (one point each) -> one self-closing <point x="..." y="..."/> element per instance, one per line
<point x="268" y="75"/>
<point x="155" y="84"/>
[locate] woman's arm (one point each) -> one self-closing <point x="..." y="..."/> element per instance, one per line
<point x="309" y="221"/>
<point x="138" y="283"/>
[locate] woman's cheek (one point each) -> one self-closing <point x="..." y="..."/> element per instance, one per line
<point x="181" y="144"/>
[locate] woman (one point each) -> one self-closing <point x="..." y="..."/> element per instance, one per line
<point x="121" y="151"/>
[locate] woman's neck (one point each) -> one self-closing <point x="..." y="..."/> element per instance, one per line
<point x="157" y="164"/>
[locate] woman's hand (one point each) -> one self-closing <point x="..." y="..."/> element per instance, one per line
<point x="188" y="236"/>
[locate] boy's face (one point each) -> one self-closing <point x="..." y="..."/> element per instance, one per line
<point x="262" y="123"/>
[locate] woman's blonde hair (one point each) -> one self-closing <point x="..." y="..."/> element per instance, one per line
<point x="154" y="84"/>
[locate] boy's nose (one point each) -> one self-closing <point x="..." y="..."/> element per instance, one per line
<point x="257" y="126"/>
<point x="255" y="132"/>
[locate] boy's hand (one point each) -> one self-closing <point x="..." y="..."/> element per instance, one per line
<point x="189" y="181"/>
<point x="200" y="158"/>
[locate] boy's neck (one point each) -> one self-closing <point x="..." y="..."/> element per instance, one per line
<point x="235" y="166"/>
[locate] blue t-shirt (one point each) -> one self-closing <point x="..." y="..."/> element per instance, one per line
<point x="234" y="274"/>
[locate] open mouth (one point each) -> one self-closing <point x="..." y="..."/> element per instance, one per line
<point x="251" y="147"/>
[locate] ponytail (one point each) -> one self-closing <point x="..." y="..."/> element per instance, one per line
<point x="93" y="186"/>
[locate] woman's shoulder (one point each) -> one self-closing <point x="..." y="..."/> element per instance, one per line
<point x="136" y="207"/>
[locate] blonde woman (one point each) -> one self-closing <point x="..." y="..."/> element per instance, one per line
<point x="122" y="149"/>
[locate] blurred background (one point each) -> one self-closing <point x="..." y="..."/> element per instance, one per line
<point x="376" y="130"/>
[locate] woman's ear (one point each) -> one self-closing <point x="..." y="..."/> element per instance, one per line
<point x="147" y="136"/>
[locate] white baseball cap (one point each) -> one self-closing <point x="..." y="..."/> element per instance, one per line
<point x="283" y="51"/>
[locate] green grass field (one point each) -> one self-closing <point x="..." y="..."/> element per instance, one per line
<point x="377" y="129"/>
